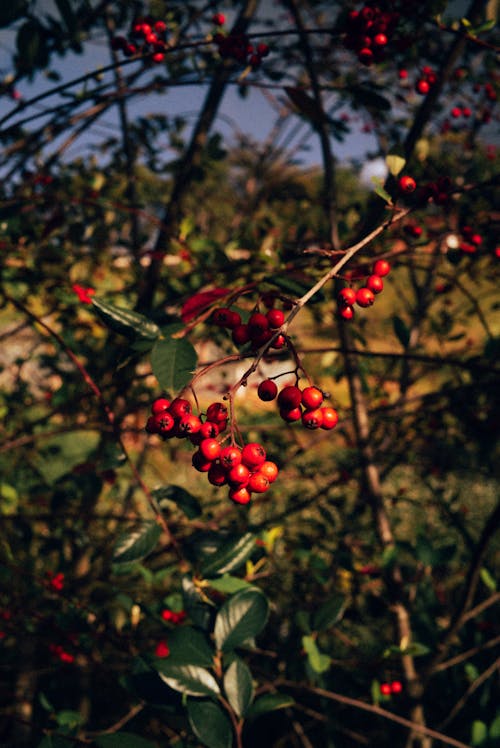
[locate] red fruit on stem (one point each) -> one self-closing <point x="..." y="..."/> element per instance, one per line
<point x="290" y="397"/>
<point x="407" y="184"/>
<point x="257" y="324"/>
<point x="291" y="415"/>
<point x="275" y="317"/>
<point x="422" y="86"/>
<point x="364" y="297"/>
<point x="238" y="475"/>
<point x="217" y="412"/>
<point x="208" y="430"/>
<point x="240" y="495"/>
<point x="253" y="455"/>
<point x="210" y="449"/>
<point x="189" y="424"/>
<point x="312" y="419"/>
<point x="312" y="397"/>
<point x="396" y="686"/>
<point x="180" y="407"/>
<point x="385" y="689"/>
<point x="267" y="390"/>
<point x="347" y="296"/>
<point x="230" y="457"/>
<point x="258" y="482"/>
<point x="375" y="284"/>
<point x="200" y="463"/>
<point x="159" y="405"/>
<point x="381" y="268"/>
<point x="240" y="334"/>
<point x="217" y="475"/>
<point x="346" y="312"/>
<point x="165" y="423"/>
<point x="270" y="470"/>
<point x="330" y="418"/>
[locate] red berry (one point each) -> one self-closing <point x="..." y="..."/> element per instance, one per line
<point x="257" y="324"/>
<point x="380" y="40"/>
<point x="210" y="449"/>
<point x="456" y="112"/>
<point x="208" y="430"/>
<point x="364" y="297"/>
<point x="347" y="296"/>
<point x="218" y="19"/>
<point x="375" y="283"/>
<point x="151" y="426"/>
<point x="258" y="482"/>
<point x="312" y="397"/>
<point x="290" y="397"/>
<point x="165" y="423"/>
<point x="270" y="470"/>
<point x="291" y="415"/>
<point x="240" y="495"/>
<point x="407" y="184"/>
<point x="159" y="405"/>
<point x="225" y="317"/>
<point x="365" y="56"/>
<point x="189" y="424"/>
<point x="217" y="476"/>
<point x="217" y="413"/>
<point x="275" y="317"/>
<point x="160" y="27"/>
<point x="180" y="407"/>
<point x="385" y="689"/>
<point x="403" y="74"/>
<point x="396" y="686"/>
<point x="330" y="418"/>
<point x="229" y="457"/>
<point x="200" y="463"/>
<point x="267" y="390"/>
<point x="381" y="268"/>
<point x="346" y="312"/>
<point x="422" y="86"/>
<point x="280" y="342"/>
<point x="240" y="334"/>
<point x="312" y="419"/>
<point x="253" y="455"/>
<point x="238" y="475"/>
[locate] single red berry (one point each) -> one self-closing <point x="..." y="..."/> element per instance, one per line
<point x="330" y="418"/>
<point x="364" y="297"/>
<point x="312" y="419"/>
<point x="375" y="284"/>
<point x="210" y="449"/>
<point x="180" y="407"/>
<point x="217" y="412"/>
<point x="200" y="463"/>
<point x="240" y="334"/>
<point x="275" y="317"/>
<point x="422" y="86"/>
<point x="396" y="686"/>
<point x="159" y="405"/>
<point x="162" y="649"/>
<point x="258" y="482"/>
<point x="381" y="268"/>
<point x="380" y="40"/>
<point x="267" y="390"/>
<point x="217" y="475"/>
<point x="218" y="19"/>
<point x="402" y="74"/>
<point x="165" y="423"/>
<point x="290" y="397"/>
<point x="407" y="184"/>
<point x="158" y="57"/>
<point x="280" y="342"/>
<point x="225" y="317"/>
<point x="476" y="239"/>
<point x="229" y="457"/>
<point x="160" y="27"/>
<point x="240" y="495"/>
<point x="262" y="49"/>
<point x="238" y="475"/>
<point x="151" y="425"/>
<point x="347" y="296"/>
<point x="208" y="430"/>
<point x="292" y="414"/>
<point x="385" y="689"/>
<point x="413" y="230"/>
<point x="151" y="38"/>
<point x="346" y="312"/>
<point x="456" y="112"/>
<point x="189" y="424"/>
<point x="467" y="111"/>
<point x="269" y="469"/>
<point x="365" y="56"/>
<point x="257" y="324"/>
<point x="253" y="455"/>
<point x="312" y="397"/>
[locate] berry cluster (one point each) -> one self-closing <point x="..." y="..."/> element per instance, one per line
<point x="171" y="616"/>
<point x="300" y="405"/>
<point x="387" y="689"/>
<point x="238" y="47"/>
<point x="245" y="470"/>
<point x="426" y="81"/>
<point x="58" y="651"/>
<point x="259" y="329"/>
<point x="471" y="240"/>
<point x="147" y="37"/>
<point x="365" y="295"/>
<point x="368" y="31"/>
<point x="55" y="582"/>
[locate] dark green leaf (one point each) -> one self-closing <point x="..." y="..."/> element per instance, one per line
<point x="238" y="686"/>
<point x="230" y="556"/>
<point x="189" y="679"/>
<point x="269" y="702"/>
<point x="67" y="14"/>
<point x="31" y="46"/>
<point x="228" y="584"/>
<point x="380" y="191"/>
<point x="318" y="661"/>
<point x="330" y="613"/>
<point x="173" y="361"/>
<point x="241" y="617"/>
<point x="186" y="502"/>
<point x="125" y="321"/>
<point x="189" y="646"/>
<point x="199" y="611"/>
<point x="479" y="733"/>
<point x="401" y="330"/>
<point x="137" y="543"/>
<point x="11" y="11"/>
<point x="210" y="724"/>
<point x="123" y="740"/>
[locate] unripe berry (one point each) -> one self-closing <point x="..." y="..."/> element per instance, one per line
<point x="290" y="397"/>
<point x="381" y="268"/>
<point x="312" y="397"/>
<point x="267" y="390"/>
<point x="364" y="297"/>
<point x="375" y="284"/>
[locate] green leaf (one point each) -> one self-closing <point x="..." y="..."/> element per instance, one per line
<point x="189" y="646"/>
<point x="188" y="679"/>
<point x="173" y="361"/>
<point x="228" y="584"/>
<point x="137" y="543"/>
<point x="210" y="724"/>
<point x="241" y="617"/>
<point x="401" y="330"/>
<point x="395" y="163"/>
<point x="318" y="661"/>
<point x="269" y="702"/>
<point x="479" y="732"/>
<point x="238" y="686"/>
<point x="230" y="556"/>
<point x="69" y="719"/>
<point x="330" y="613"/>
<point x="186" y="502"/>
<point x="123" y="740"/>
<point x="11" y="11"/>
<point x="125" y="321"/>
<point x="62" y="453"/>
<point x="380" y="191"/>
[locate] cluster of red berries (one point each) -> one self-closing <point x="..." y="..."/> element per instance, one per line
<point x="245" y="470"/>
<point x="147" y="37"/>
<point x="438" y="192"/>
<point x="55" y="582"/>
<point x="387" y="689"/>
<point x="471" y="240"/>
<point x="59" y="652"/>
<point x="365" y="295"/>
<point x="368" y="32"/>
<point x="259" y="329"/>
<point x="304" y="405"/>
<point x="238" y="47"/>
<point x="171" y="616"/>
<point x="427" y="79"/>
